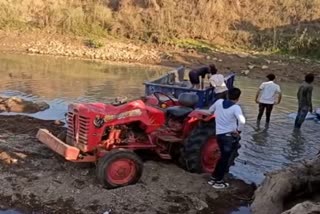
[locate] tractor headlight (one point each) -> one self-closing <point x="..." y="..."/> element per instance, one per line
<point x="98" y="122"/>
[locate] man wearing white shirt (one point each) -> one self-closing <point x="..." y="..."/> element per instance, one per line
<point x="266" y="97"/>
<point x="220" y="88"/>
<point x="229" y="123"/>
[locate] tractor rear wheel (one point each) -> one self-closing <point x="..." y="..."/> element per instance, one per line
<point x="200" y="152"/>
<point x="119" y="168"/>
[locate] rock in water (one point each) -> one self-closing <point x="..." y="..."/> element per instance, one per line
<point x="15" y="104"/>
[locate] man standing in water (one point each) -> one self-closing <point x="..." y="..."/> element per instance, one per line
<point x="229" y="123"/>
<point x="195" y="74"/>
<point x="266" y="96"/>
<point x="304" y="96"/>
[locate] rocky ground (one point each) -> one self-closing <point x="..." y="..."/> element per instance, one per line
<point x="33" y="178"/>
<point x="253" y="65"/>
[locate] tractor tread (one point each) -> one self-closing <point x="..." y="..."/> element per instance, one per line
<point x="190" y="154"/>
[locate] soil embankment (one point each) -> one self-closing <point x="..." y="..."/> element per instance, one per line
<point x="34" y="178"/>
<point x="253" y="65"/>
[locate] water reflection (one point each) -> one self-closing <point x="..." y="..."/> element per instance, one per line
<point x="296" y="144"/>
<point x="10" y="212"/>
<point x="242" y="210"/>
<point x="260" y="136"/>
<point x="62" y="81"/>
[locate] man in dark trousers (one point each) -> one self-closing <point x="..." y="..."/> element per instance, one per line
<point x="266" y="98"/>
<point x="195" y="74"/>
<point x="304" y="96"/>
<point x="229" y="123"/>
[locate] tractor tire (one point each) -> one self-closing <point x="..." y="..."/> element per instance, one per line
<point x="119" y="168"/>
<point x="200" y="152"/>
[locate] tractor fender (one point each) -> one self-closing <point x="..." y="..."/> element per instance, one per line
<point x="202" y="114"/>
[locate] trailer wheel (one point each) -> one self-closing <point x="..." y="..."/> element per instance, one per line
<point x="200" y="152"/>
<point x="119" y="168"/>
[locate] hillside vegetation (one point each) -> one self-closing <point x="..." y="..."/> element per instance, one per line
<point x="280" y="25"/>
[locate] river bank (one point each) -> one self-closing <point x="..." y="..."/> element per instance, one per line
<point x="46" y="183"/>
<point x="253" y="65"/>
<point x="35" y="179"/>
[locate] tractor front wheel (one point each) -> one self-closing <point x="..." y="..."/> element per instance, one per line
<point x="200" y="152"/>
<point x="119" y="168"/>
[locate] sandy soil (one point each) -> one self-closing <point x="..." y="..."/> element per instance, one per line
<point x="34" y="178"/>
<point x="253" y="65"/>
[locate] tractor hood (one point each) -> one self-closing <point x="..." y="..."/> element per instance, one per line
<point x="105" y="109"/>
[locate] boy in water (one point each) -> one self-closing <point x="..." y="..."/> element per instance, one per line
<point x="229" y="123"/>
<point x="304" y="96"/>
<point x="195" y="74"/>
<point x="266" y="96"/>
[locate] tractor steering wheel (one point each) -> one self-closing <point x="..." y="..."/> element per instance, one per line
<point x="158" y="94"/>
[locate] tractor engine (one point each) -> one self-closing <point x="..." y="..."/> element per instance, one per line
<point x="123" y="135"/>
<point x="175" y="124"/>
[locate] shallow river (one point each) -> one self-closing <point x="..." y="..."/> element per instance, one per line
<point x="62" y="81"/>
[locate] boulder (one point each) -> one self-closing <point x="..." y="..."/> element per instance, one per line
<point x="306" y="207"/>
<point x="302" y="178"/>
<point x="15" y="104"/>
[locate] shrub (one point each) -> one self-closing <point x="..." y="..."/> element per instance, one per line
<point x="259" y="24"/>
<point x="93" y="43"/>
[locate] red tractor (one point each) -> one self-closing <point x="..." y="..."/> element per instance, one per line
<point x="109" y="135"/>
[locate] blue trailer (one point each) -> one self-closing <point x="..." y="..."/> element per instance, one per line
<point x="170" y="85"/>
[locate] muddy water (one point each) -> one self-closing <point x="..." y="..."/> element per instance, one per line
<point x="61" y="81"/>
<point x="10" y="212"/>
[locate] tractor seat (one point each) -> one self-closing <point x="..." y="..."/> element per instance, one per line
<point x="179" y="111"/>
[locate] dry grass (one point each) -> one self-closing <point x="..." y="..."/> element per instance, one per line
<point x="286" y="25"/>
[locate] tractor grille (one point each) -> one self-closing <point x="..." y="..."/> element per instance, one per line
<point x="83" y="128"/>
<point x="70" y="122"/>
